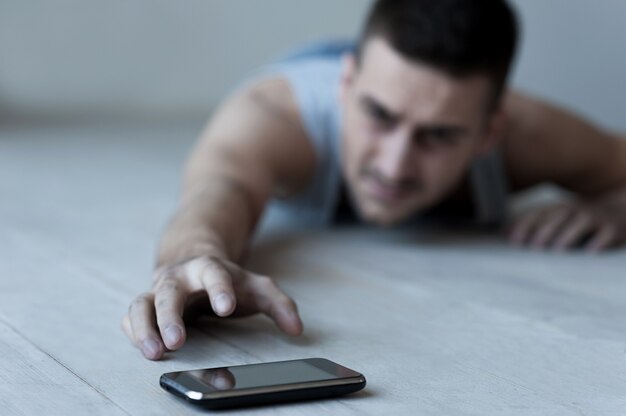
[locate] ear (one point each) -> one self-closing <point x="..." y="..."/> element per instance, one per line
<point x="496" y="126"/>
<point x="348" y="72"/>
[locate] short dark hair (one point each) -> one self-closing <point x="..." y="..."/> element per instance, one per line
<point x="460" y="37"/>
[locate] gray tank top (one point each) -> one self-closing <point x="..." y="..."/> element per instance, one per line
<point x="313" y="74"/>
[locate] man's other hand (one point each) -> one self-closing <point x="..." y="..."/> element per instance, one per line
<point x="154" y="322"/>
<point x="593" y="225"/>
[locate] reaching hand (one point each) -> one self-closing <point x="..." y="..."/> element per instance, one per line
<point x="595" y="226"/>
<point x="154" y="322"/>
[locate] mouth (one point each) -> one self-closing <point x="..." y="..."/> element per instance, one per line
<point x="384" y="193"/>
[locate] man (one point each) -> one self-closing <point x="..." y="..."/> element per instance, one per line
<point x="418" y="116"/>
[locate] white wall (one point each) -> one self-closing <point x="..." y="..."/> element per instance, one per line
<point x="574" y="53"/>
<point x="178" y="57"/>
<point x="149" y="55"/>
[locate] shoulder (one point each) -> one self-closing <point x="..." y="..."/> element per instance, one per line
<point x="260" y="123"/>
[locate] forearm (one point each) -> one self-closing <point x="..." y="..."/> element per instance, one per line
<point x="208" y="231"/>
<point x="547" y="144"/>
<point x="217" y="218"/>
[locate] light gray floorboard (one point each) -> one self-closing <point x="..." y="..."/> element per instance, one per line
<point x="439" y="322"/>
<point x="34" y="382"/>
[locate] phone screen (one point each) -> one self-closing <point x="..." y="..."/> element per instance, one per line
<point x="260" y="375"/>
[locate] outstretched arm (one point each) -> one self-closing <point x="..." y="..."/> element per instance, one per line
<point x="253" y="148"/>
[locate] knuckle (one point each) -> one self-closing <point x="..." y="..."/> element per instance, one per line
<point x="215" y="265"/>
<point x="196" y="263"/>
<point x="162" y="272"/>
<point x="162" y="303"/>
<point x="216" y="274"/>
<point x="205" y="266"/>
<point x="169" y="285"/>
<point x="168" y="282"/>
<point x="265" y="281"/>
<point x="290" y="303"/>
<point x="140" y="301"/>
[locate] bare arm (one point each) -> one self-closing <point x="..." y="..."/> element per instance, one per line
<point x="254" y="148"/>
<point x="546" y="144"/>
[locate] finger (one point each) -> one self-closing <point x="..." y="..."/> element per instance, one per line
<point x="142" y="320"/>
<point x="523" y="227"/>
<point x="603" y="239"/>
<point x="126" y="328"/>
<point x="580" y="226"/>
<point x="547" y="227"/>
<point x="273" y="302"/>
<point x="216" y="279"/>
<point x="169" y="299"/>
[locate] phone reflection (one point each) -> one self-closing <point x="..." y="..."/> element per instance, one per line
<point x="217" y="378"/>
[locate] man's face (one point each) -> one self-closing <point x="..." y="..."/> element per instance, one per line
<point x="409" y="132"/>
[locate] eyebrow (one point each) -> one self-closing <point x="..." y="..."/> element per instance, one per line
<point x="451" y="129"/>
<point x="371" y="102"/>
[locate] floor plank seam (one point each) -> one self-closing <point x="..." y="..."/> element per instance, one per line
<point x="230" y="344"/>
<point x="81" y="268"/>
<point x="5" y="321"/>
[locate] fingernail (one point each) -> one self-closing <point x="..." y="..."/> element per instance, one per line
<point x="150" y="348"/>
<point x="172" y="334"/>
<point x="293" y="316"/>
<point x="297" y="325"/>
<point x="222" y="303"/>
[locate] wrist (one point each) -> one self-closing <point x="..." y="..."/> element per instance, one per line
<point x="173" y="254"/>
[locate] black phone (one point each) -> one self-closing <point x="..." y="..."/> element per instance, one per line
<point x="264" y="383"/>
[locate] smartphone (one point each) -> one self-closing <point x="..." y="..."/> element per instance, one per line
<point x="264" y="383"/>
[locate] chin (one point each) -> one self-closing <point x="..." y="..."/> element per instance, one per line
<point x="387" y="215"/>
<point x="383" y="219"/>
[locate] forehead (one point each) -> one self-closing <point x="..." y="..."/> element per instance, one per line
<point x="418" y="90"/>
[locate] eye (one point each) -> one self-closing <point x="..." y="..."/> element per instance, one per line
<point x="378" y="115"/>
<point x="437" y="137"/>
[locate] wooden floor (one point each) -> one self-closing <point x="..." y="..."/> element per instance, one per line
<point x="440" y="323"/>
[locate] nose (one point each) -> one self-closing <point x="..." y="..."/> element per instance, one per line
<point x="395" y="155"/>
